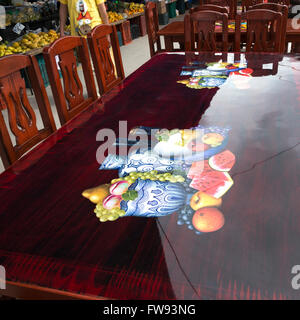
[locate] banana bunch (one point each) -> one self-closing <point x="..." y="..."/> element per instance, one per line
<point x="114" y="16"/>
<point x="29" y="41"/>
<point x="68" y="29"/>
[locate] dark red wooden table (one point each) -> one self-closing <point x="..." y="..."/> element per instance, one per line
<point x="51" y="241"/>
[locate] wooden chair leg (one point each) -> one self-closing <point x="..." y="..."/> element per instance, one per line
<point x="6" y="298"/>
<point x="296" y="47"/>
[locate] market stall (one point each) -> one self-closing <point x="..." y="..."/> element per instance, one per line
<point x="29" y="27"/>
<point x="22" y="17"/>
<point x="129" y="19"/>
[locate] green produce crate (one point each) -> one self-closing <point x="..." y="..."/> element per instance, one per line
<point x="163" y="18"/>
<point x="43" y="69"/>
<point x="171" y="9"/>
<point x="120" y="38"/>
<point x="135" y="31"/>
<point x="42" y="65"/>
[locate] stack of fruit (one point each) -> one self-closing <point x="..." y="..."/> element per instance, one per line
<point x="134" y="8"/>
<point x="29" y="41"/>
<point x="8" y="20"/>
<point x="25" y="15"/>
<point x="114" y="16"/>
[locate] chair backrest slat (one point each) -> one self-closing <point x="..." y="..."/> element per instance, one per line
<point x="152" y="27"/>
<point x="104" y="66"/>
<point x="200" y="27"/>
<point x="209" y="7"/>
<point x="264" y="30"/>
<point x="70" y="99"/>
<point x="21" y="115"/>
<point x="246" y="4"/>
<point x="277" y="8"/>
<point x="282" y="2"/>
<point x="230" y="4"/>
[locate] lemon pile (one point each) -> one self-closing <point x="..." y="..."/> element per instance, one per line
<point x="114" y="16"/>
<point x="29" y="41"/>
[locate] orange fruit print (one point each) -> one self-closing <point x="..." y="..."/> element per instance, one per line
<point x="208" y="220"/>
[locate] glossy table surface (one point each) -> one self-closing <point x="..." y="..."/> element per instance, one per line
<point x="49" y="235"/>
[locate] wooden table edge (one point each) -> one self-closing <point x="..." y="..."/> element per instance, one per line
<point x="25" y="291"/>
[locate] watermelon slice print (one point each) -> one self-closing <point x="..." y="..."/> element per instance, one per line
<point x="222" y="161"/>
<point x="199" y="168"/>
<point x="214" y="183"/>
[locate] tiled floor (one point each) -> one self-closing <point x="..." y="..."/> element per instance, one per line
<point x="133" y="55"/>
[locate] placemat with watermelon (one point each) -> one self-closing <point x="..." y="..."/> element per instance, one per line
<point x="185" y="171"/>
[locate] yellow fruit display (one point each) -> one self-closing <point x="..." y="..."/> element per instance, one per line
<point x="134" y="8"/>
<point x="114" y="16"/>
<point x="22" y="15"/>
<point x="29" y="42"/>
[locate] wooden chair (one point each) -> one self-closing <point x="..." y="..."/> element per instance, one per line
<point x="21" y="115"/>
<point x="282" y="2"/>
<point x="152" y="26"/>
<point x="277" y="8"/>
<point x="249" y="3"/>
<point x="101" y="56"/>
<point x="194" y="58"/>
<point x="209" y="7"/>
<point x="257" y="61"/>
<point x="70" y="99"/>
<point x="200" y="27"/>
<point x="264" y="31"/>
<point x="230" y="5"/>
<point x="212" y="7"/>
